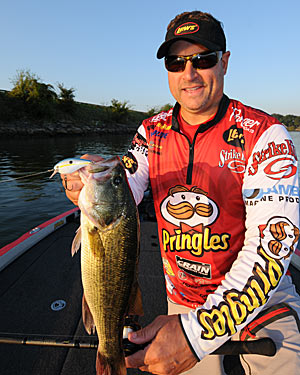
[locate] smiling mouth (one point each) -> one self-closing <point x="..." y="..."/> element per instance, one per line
<point x="192" y="89"/>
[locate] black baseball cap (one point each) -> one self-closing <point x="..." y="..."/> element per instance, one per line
<point x="210" y="34"/>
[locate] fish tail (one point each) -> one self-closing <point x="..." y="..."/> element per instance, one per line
<point x="104" y="367"/>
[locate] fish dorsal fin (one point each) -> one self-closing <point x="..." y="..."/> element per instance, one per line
<point x="76" y="242"/>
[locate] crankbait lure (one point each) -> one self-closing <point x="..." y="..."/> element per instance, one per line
<point x="70" y="165"/>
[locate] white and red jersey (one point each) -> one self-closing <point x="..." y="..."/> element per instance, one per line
<point x="227" y="209"/>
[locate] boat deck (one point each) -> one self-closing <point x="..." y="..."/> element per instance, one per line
<point x="48" y="273"/>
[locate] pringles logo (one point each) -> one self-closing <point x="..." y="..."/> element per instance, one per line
<point x="186" y="28"/>
<point x="191" y="211"/>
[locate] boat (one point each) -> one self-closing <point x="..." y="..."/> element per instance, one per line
<point x="41" y="291"/>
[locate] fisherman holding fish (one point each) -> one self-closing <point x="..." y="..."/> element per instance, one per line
<point x="226" y="235"/>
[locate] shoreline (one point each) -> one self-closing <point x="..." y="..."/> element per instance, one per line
<point x="64" y="127"/>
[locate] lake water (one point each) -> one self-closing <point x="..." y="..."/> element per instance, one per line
<point x="28" y="202"/>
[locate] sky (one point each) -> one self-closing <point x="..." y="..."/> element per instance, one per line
<point x="107" y="49"/>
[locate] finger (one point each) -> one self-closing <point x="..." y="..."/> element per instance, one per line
<point x="147" y="333"/>
<point x="72" y="182"/>
<point x="135" y="360"/>
<point x="92" y="157"/>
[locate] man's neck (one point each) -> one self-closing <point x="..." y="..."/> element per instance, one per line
<point x="197" y="118"/>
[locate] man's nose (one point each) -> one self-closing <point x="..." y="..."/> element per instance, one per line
<point x="189" y="72"/>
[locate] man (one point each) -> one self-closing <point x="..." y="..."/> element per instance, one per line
<point x="221" y="174"/>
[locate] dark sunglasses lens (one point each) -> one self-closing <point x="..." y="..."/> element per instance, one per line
<point x="204" y="62"/>
<point x="174" y="64"/>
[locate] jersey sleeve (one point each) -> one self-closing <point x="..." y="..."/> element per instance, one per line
<point x="137" y="166"/>
<point x="271" y="196"/>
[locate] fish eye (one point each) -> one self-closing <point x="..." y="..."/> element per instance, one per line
<point x="183" y="196"/>
<point x="117" y="180"/>
<point x="198" y="198"/>
<point x="290" y="235"/>
<point x="71" y="162"/>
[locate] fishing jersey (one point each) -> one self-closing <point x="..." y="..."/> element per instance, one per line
<point x="227" y="212"/>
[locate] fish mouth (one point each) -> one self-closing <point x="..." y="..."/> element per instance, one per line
<point x="102" y="169"/>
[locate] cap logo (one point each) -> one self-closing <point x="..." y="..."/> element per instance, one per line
<point x="187" y="28"/>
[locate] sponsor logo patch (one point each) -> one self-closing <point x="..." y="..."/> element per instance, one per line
<point x="186" y="28"/>
<point x="279" y="193"/>
<point x="234" y="136"/>
<point x="194" y="268"/>
<point x="191" y="211"/>
<point x="130" y="163"/>
<point x="282" y="165"/>
<point x="246" y="123"/>
<point x="278" y="238"/>
<point x="235" y="160"/>
<point x="139" y="144"/>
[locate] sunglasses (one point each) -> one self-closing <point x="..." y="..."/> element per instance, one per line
<point x="198" y="60"/>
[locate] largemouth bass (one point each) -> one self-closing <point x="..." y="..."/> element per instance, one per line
<point x="109" y="237"/>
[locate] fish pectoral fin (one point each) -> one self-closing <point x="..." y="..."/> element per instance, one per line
<point x="135" y="305"/>
<point x="87" y="318"/>
<point x="76" y="242"/>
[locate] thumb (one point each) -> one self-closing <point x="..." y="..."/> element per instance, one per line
<point x="147" y="333"/>
<point x="142" y="336"/>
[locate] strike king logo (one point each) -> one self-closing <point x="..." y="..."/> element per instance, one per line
<point x="192" y="211"/>
<point x="278" y="238"/>
<point x="280" y="158"/>
<point x="235" y="160"/>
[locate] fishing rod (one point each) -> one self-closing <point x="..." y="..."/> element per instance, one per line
<point x="264" y="346"/>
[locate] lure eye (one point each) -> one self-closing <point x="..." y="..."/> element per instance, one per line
<point x="117" y="180"/>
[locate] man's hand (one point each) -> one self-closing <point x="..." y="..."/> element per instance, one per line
<point x="168" y="351"/>
<point x="72" y="181"/>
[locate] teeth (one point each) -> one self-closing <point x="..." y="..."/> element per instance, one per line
<point x="192" y="88"/>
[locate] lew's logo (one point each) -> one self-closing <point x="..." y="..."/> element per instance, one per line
<point x="194" y="268"/>
<point x="187" y="28"/>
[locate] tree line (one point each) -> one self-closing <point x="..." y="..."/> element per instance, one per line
<point x="31" y="98"/>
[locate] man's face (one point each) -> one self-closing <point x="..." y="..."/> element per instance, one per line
<point x="197" y="91"/>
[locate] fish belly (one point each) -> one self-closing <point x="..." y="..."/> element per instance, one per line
<point x="108" y="263"/>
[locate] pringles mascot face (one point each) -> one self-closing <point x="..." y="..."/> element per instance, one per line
<point x="191" y="207"/>
<point x="278" y="237"/>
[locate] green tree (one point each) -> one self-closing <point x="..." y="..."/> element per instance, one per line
<point x="66" y="95"/>
<point x="279" y="117"/>
<point x="119" y="110"/>
<point x="297" y="122"/>
<point x="38" y="97"/>
<point x="166" y="107"/>
<point x="66" y="98"/>
<point x="155" y="110"/>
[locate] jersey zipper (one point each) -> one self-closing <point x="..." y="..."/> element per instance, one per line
<point x="219" y="115"/>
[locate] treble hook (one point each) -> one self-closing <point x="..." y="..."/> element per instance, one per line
<point x="66" y="184"/>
